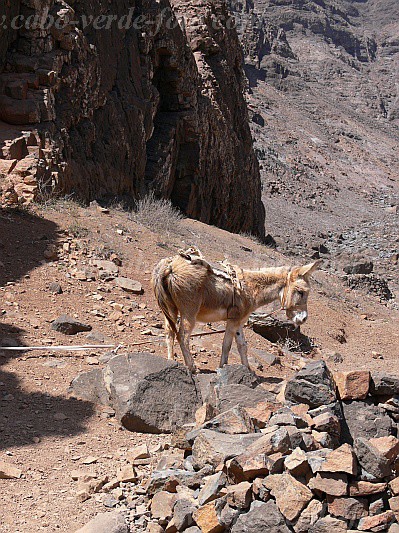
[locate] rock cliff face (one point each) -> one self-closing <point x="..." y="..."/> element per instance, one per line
<point x="123" y="110"/>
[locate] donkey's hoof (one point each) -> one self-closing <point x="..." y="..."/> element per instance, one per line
<point x="193" y="369"/>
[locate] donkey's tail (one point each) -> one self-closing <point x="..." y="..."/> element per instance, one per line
<point x="160" y="283"/>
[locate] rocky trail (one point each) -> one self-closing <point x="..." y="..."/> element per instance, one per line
<point x="68" y="456"/>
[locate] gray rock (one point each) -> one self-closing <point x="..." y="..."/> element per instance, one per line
<point x="55" y="288"/>
<point x="328" y="524"/>
<point x="68" y="325"/>
<point x="236" y="375"/>
<point x="148" y="393"/>
<point x="383" y="384"/>
<point x="365" y="267"/>
<point x="169" y="479"/>
<point x="129" y="285"/>
<point x="371" y="459"/>
<point x="211" y="490"/>
<point x="211" y="447"/>
<point x="183" y="514"/>
<point x="233" y="421"/>
<point x="364" y="419"/>
<point x="261" y="518"/>
<point x="205" y="384"/>
<point x="90" y="386"/>
<point x="112" y="522"/>
<point x="193" y="529"/>
<point x="227" y="514"/>
<point x="229" y="396"/>
<point x="97" y="336"/>
<point x="313" y="385"/>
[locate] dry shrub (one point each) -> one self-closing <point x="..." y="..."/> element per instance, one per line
<point x="156" y="214"/>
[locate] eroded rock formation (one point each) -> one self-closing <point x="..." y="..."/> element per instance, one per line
<point x="123" y="110"/>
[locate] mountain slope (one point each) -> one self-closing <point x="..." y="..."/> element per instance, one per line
<point x="324" y="95"/>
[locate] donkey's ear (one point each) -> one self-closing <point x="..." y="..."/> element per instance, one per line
<point x="306" y="270"/>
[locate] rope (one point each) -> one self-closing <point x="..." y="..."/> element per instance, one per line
<point x="59" y="348"/>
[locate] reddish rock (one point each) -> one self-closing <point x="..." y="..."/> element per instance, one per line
<point x="348" y="508"/>
<point x="261" y="412"/>
<point x="308" y="517"/>
<point x="394" y="486"/>
<point x="394" y="505"/>
<point x="333" y="484"/>
<point x="366" y="488"/>
<point x="239" y="495"/>
<point x="162" y="505"/>
<point x="8" y="471"/>
<point x="378" y="522"/>
<point x="207" y="519"/>
<point x="296" y="463"/>
<point x="387" y="446"/>
<point x="342" y="459"/>
<point x="291" y="495"/>
<point x="353" y="385"/>
<point x="254" y="462"/>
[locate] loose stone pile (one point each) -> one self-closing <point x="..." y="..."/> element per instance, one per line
<point x="317" y="454"/>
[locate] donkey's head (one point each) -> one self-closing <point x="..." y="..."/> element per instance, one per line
<point x="294" y="295"/>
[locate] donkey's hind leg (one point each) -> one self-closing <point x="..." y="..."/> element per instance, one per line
<point x="185" y="330"/>
<point x="170" y="339"/>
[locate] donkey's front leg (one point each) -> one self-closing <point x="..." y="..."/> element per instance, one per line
<point x="227" y="342"/>
<point x="242" y="346"/>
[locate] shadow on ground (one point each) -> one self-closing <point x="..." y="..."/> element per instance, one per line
<point x="25" y="415"/>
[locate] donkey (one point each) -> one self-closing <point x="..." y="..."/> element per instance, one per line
<point x="189" y="290"/>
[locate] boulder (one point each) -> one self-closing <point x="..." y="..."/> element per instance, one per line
<point x="394" y="486"/>
<point x="232" y="421"/>
<point x="347" y="508"/>
<point x="308" y="517"/>
<point x="364" y="419"/>
<point x="213" y="448"/>
<point x="313" y="385"/>
<point x="342" y="459"/>
<point x="231" y="395"/>
<point x="206" y="517"/>
<point x="364" y="267"/>
<point x="148" y="393"/>
<point x="277" y="331"/>
<point x="353" y="385"/>
<point x="328" y="524"/>
<point x="68" y="325"/>
<point x="387" y="446"/>
<point x="183" y="515"/>
<point x="366" y="488"/>
<point x="236" y="375"/>
<point x="262" y="517"/>
<point x="333" y="484"/>
<point x="162" y="505"/>
<point x="296" y="463"/>
<point x="112" y="522"/>
<point x="291" y="495"/>
<point x="371" y="459"/>
<point x="240" y="495"/>
<point x="254" y="461"/>
<point x="383" y="384"/>
<point x="211" y="490"/>
<point x="379" y="522"/>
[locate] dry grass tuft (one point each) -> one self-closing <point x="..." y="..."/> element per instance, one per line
<point x="156" y="214"/>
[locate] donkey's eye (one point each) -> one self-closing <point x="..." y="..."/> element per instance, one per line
<point x="301" y="293"/>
